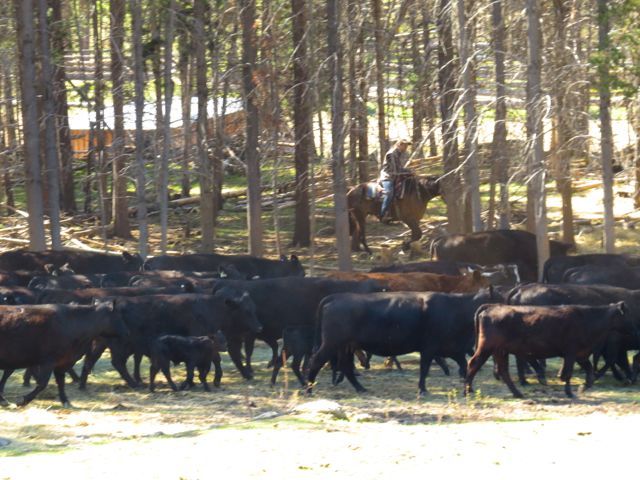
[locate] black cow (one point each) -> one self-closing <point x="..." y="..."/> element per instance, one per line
<point x="441" y="267"/>
<point x="247" y="265"/>
<point x="79" y="261"/>
<point x="282" y="303"/>
<point x="496" y="247"/>
<point x="194" y="352"/>
<point x="66" y="282"/>
<point x="18" y="296"/>
<point x="615" y="275"/>
<point x="151" y="316"/>
<point x="616" y="345"/>
<point x="50" y="338"/>
<point x="569" y="331"/>
<point x="296" y="342"/>
<point x="85" y="295"/>
<point x="389" y="324"/>
<point x="556" y="267"/>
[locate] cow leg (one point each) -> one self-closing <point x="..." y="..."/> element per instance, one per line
<point x="442" y="363"/>
<point x="249" y="344"/>
<point x="5" y="376"/>
<point x="295" y="366"/>
<point x="635" y="367"/>
<point x="566" y="373"/>
<point x="425" y="363"/>
<point x="217" y="376"/>
<point x="166" y="370"/>
<point x="502" y="360"/>
<point x="153" y="371"/>
<point x="588" y="369"/>
<point x="26" y="378"/>
<point x="42" y="375"/>
<point x="622" y="361"/>
<point x="521" y="366"/>
<point x="539" y="366"/>
<point x="233" y="348"/>
<point x="277" y="365"/>
<point x="336" y="374"/>
<point x="119" y="362"/>
<point x="461" y="360"/>
<point x="478" y="359"/>
<point x="137" y="360"/>
<point x="188" y="383"/>
<point x="346" y="365"/>
<point x="59" y="374"/>
<point x="316" y="363"/>
<point x="92" y="356"/>
<point x="73" y="375"/>
<point x="363" y="358"/>
<point x="203" y="371"/>
<point x="274" y="351"/>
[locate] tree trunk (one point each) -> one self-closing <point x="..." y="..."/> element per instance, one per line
<point x="362" y="114"/>
<point x="26" y="49"/>
<point x="51" y="170"/>
<point x="352" y="28"/>
<point x="606" y="135"/>
<point x="204" y="162"/>
<point x="156" y="68"/>
<point x="563" y="90"/>
<point x="379" y="45"/>
<point x="472" y="183"/>
<point x="499" y="157"/>
<point x="420" y="71"/>
<point x="120" y="207"/>
<point x="249" y="55"/>
<point x="451" y="182"/>
<point x="337" y="135"/>
<point x="58" y="39"/>
<point x="302" y="120"/>
<point x="536" y="170"/>
<point x="166" y="137"/>
<point x="135" y="7"/>
<point x="186" y="75"/>
<point x="10" y="123"/>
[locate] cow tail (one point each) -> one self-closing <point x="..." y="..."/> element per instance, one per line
<point x="317" y="336"/>
<point x="512" y="293"/>
<point x="432" y="247"/>
<point x="477" y="319"/>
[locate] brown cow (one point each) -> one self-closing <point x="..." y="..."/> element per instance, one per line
<point x="568" y="331"/>
<point x="419" y="281"/>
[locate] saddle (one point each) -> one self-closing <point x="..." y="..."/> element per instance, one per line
<point x="374" y="190"/>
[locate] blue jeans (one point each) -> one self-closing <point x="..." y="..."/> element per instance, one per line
<point x="387" y="196"/>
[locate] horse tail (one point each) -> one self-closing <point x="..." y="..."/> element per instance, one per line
<point x="433" y="246"/>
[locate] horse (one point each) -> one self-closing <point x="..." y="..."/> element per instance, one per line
<point x="365" y="199"/>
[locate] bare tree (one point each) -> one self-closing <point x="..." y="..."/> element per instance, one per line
<point x="499" y="157"/>
<point x="120" y="208"/>
<point x="10" y="122"/>
<point x="166" y="137"/>
<point x="302" y="119"/>
<point x="376" y="11"/>
<point x="135" y="7"/>
<point x="465" y="27"/>
<point x="249" y="56"/>
<point x="606" y="134"/>
<point x="26" y="49"/>
<point x="204" y="162"/>
<point x="536" y="168"/>
<point x="337" y="135"/>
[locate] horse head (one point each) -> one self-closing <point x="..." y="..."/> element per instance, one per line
<point x="429" y="187"/>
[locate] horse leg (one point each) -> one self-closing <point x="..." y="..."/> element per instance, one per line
<point x="416" y="233"/>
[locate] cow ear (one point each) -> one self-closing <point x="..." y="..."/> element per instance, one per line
<point x="294" y="259"/>
<point x="222" y="273"/>
<point x="622" y="308"/>
<point x="187" y="287"/>
<point x="127" y="256"/>
<point x="491" y="293"/>
<point x="51" y="269"/>
<point x="476" y="275"/>
<point x="283" y="258"/>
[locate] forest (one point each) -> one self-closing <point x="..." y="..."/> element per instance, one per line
<point x="143" y="121"/>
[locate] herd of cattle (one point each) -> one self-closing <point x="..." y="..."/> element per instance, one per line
<point x="478" y="298"/>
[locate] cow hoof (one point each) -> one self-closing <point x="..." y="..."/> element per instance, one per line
<point x="361" y="390"/>
<point x="67" y="404"/>
<point x="524" y="383"/>
<point x="518" y="395"/>
<point x="422" y="393"/>
<point x="4" y="403"/>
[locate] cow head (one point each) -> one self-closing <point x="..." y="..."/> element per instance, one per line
<point x="133" y="262"/>
<point x="295" y="268"/>
<point x="219" y="341"/>
<point x="240" y="306"/>
<point x="116" y="325"/>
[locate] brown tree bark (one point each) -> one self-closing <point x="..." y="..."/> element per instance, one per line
<point x="24" y="10"/>
<point x="302" y="122"/>
<point x="60" y="47"/>
<point x="606" y="134"/>
<point x="337" y="135"/>
<point x="536" y="167"/>
<point x="452" y="192"/>
<point x="121" y="227"/>
<point x="185" y="70"/>
<point x="51" y="170"/>
<point x="249" y="57"/>
<point x="135" y="8"/>
<point x="376" y="11"/>
<point x="10" y="125"/>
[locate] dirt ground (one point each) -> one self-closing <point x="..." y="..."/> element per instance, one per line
<point x="253" y="429"/>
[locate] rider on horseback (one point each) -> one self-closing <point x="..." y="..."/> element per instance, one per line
<point x="392" y="169"/>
